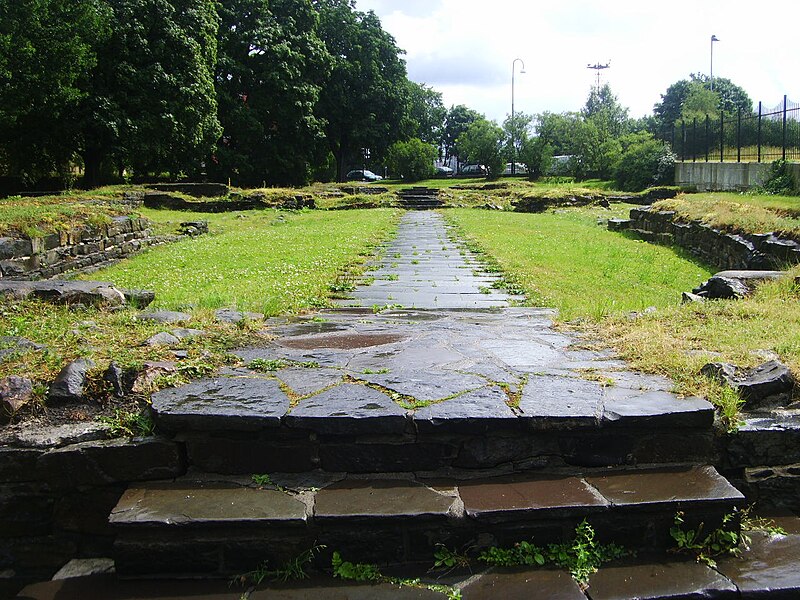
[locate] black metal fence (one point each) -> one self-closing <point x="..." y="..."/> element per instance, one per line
<point x="763" y="136"/>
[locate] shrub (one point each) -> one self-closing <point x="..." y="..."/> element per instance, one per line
<point x="412" y="160"/>
<point x="645" y="163"/>
<point x="779" y="181"/>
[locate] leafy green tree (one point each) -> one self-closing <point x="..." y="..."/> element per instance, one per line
<point x="604" y="110"/>
<point x="699" y="102"/>
<point x="670" y="109"/>
<point x="458" y="120"/>
<point x="47" y="48"/>
<point x="536" y="155"/>
<point x="412" y="160"/>
<point x="364" y="100"/>
<point x="426" y="113"/>
<point x="517" y="130"/>
<point x="270" y="70"/>
<point x="482" y="143"/>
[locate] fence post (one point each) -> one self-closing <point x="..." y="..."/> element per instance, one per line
<point x="694" y="139"/>
<point x="708" y="123"/>
<point x="683" y="140"/>
<point x="759" y="132"/>
<point x="739" y="134"/>
<point x="721" y="136"/>
<point x="783" y="154"/>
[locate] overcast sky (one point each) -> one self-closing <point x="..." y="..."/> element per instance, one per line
<point x="465" y="48"/>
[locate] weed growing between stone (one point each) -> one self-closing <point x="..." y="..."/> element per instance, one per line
<point x="582" y="556"/>
<point x="369" y="573"/>
<point x="292" y="570"/>
<point x="129" y="423"/>
<point x="725" y="540"/>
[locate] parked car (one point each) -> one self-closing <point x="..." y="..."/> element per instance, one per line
<point x="363" y="175"/>
<point x="519" y="169"/>
<point x="444" y="171"/>
<point x="474" y="170"/>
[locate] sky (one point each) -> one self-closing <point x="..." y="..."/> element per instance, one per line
<point x="465" y="49"/>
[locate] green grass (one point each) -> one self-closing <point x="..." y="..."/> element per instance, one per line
<point x="565" y="260"/>
<point x="263" y="261"/>
<point x="739" y="212"/>
<point x="35" y="217"/>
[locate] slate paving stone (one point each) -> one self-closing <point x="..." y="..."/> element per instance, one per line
<point x="205" y="504"/>
<point x="634" y="408"/>
<point x="349" y="409"/>
<point x="554" y="402"/>
<point x="304" y="381"/>
<point x="665" y="488"/>
<point x="473" y="412"/>
<point x="221" y="403"/>
<point x="525" y="497"/>
<point x="425" y="385"/>
<point x="686" y="580"/>
<point x="377" y="498"/>
<point x="552" y="585"/>
<point x="768" y="570"/>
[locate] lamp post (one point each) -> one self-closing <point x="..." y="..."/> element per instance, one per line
<point x="714" y="38"/>
<point x="513" y="145"/>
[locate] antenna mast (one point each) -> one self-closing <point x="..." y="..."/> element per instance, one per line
<point x="597" y="67"/>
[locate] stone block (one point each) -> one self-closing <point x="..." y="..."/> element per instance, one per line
<point x="244" y="456"/>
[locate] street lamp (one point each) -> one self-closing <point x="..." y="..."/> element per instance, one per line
<point x="713" y="39"/>
<point x="513" y="146"/>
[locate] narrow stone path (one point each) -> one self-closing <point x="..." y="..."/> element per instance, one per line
<point x="422" y="267"/>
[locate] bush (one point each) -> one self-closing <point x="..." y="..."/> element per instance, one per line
<point x="536" y="155"/>
<point x="412" y="160"/>
<point x="779" y="181"/>
<point x="645" y="163"/>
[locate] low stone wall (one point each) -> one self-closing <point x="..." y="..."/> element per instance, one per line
<point x="57" y="488"/>
<point x="719" y="177"/>
<point x="723" y="250"/>
<point x="233" y="203"/>
<point x="56" y="253"/>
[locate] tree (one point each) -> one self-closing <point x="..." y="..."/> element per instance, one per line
<point x="426" y="113"/>
<point x="364" y="99"/>
<point x="412" y="160"/>
<point x="699" y="102"/>
<point x="46" y="49"/>
<point x="731" y="98"/>
<point x="270" y="70"/>
<point x="517" y="130"/>
<point x="644" y="162"/>
<point x="604" y="110"/>
<point x="458" y="120"/>
<point x="482" y="143"/>
<point x="536" y="155"/>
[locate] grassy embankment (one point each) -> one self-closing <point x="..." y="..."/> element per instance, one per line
<point x="264" y="261"/>
<point x="596" y="277"/>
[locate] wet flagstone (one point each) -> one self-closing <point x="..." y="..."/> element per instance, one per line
<point x="552" y="585"/>
<point x="379" y="498"/>
<point x="662" y="580"/>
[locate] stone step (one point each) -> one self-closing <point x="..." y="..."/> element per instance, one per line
<point x="219" y="527"/>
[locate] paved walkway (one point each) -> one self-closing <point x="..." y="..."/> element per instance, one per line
<point x="424" y="268"/>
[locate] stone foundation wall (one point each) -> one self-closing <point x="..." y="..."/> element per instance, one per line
<point x="723" y="250"/>
<point x="57" y="253"/>
<point x="57" y="488"/>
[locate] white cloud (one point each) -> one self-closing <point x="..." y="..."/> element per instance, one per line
<point x="465" y="48"/>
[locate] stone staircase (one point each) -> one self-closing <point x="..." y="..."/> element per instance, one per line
<point x="419" y="198"/>
<point x="383" y="464"/>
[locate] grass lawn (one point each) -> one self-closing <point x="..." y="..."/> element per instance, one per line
<point x="263" y="261"/>
<point x="739" y="212"/>
<point x="565" y="260"/>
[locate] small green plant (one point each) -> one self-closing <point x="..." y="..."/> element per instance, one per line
<point x="391" y="277"/>
<point x="520" y="554"/>
<point x="444" y="558"/>
<point x="195" y="369"/>
<point x="267" y="365"/>
<point x="292" y="570"/>
<point x="262" y="479"/>
<point x="347" y="570"/>
<point x="750" y="522"/>
<point x="725" y="540"/>
<point x="375" y="371"/>
<point x="129" y="423"/>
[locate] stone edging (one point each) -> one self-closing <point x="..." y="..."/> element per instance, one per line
<point x="721" y="249"/>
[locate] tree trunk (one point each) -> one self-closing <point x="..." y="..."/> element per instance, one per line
<point x="92" y="164"/>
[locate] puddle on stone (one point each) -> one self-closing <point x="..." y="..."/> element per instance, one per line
<point x="341" y="342"/>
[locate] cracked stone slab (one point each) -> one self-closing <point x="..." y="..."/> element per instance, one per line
<point x="661" y="487"/>
<point x="205" y="504"/>
<point x="519" y="497"/>
<point x="523" y="583"/>
<point x="389" y="498"/>
<point x="768" y="570"/>
<point x="475" y="412"/>
<point x="425" y="385"/>
<point x="348" y="409"/>
<point x="305" y="381"/>
<point x="221" y="403"/>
